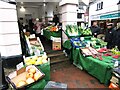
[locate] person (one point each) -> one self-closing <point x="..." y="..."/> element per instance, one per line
<point x="110" y="36"/>
<point x="95" y="29"/>
<point x="31" y="24"/>
<point x="38" y="28"/>
<point x="117" y="34"/>
<point x="55" y="19"/>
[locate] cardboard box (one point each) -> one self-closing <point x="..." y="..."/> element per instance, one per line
<point x="15" y="77"/>
<point x="56" y="45"/>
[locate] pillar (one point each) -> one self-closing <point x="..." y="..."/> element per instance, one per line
<point x="68" y="12"/>
<point x="10" y="46"/>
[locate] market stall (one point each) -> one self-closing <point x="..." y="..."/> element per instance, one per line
<point x="102" y="70"/>
<point x="34" y="73"/>
<point x="52" y="31"/>
<point x="98" y="63"/>
<point x="48" y="34"/>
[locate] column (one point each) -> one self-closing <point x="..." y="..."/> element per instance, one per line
<point x="68" y="12"/>
<point x="9" y="33"/>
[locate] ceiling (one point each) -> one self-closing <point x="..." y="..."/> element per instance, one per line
<point x="34" y="4"/>
<point x="38" y="0"/>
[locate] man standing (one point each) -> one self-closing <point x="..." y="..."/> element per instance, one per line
<point x="95" y="29"/>
<point x="110" y="36"/>
<point x="117" y="35"/>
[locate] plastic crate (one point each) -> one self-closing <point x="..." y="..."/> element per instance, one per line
<point x="55" y="86"/>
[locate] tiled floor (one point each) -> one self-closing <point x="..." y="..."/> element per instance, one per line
<point x="73" y="77"/>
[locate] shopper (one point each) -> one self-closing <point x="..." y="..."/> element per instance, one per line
<point x="38" y="28"/>
<point x="95" y="29"/>
<point x="110" y="36"/>
<point x="117" y="34"/>
<point x="31" y="24"/>
<point x="55" y="19"/>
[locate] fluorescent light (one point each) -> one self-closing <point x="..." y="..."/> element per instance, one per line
<point x="22" y="9"/>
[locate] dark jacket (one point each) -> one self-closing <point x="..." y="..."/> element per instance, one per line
<point x="110" y="36"/>
<point x="117" y="37"/>
<point x="95" y="29"/>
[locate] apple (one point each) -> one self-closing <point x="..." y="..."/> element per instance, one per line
<point x="28" y="75"/>
<point x="32" y="70"/>
<point x="29" y="80"/>
<point x="37" y="76"/>
<point x="21" y="83"/>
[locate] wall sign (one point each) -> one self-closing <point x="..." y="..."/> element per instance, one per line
<point x="99" y="6"/>
<point x="109" y="16"/>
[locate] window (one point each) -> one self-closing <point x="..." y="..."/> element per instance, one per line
<point x="79" y="15"/>
<point x="100" y="6"/>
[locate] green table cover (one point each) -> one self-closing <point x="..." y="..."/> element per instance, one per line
<point x="102" y="70"/>
<point x="48" y="34"/>
<point x="45" y="68"/>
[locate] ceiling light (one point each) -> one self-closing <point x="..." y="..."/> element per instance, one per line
<point x="22" y="9"/>
<point x="44" y="4"/>
<point x="21" y="2"/>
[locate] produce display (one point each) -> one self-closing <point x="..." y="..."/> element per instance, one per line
<point x="52" y="28"/>
<point x="72" y="30"/>
<point x="97" y="42"/>
<point x="36" y="60"/>
<point x="35" y="46"/>
<point x="86" y="31"/>
<point x="27" y="76"/>
<point x="115" y="51"/>
<point x="77" y="43"/>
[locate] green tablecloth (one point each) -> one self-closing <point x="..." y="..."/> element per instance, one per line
<point x="48" y="34"/>
<point x="102" y="70"/>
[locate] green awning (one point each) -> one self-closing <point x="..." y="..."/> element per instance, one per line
<point x="110" y="16"/>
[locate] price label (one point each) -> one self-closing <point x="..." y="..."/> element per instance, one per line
<point x="20" y="65"/>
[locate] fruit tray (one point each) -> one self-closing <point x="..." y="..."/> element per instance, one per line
<point x="24" y="77"/>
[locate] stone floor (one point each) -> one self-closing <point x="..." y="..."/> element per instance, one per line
<point x="73" y="77"/>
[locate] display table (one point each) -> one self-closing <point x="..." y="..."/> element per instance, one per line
<point x="102" y="70"/>
<point x="48" y="34"/>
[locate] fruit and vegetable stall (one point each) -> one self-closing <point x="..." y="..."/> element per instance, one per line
<point x="90" y="54"/>
<point x="34" y="72"/>
<point x="52" y="31"/>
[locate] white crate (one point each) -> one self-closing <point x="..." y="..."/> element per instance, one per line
<point x="8" y="27"/>
<point x="55" y="39"/>
<point x="10" y="50"/>
<point x="8" y="15"/>
<point x="9" y="39"/>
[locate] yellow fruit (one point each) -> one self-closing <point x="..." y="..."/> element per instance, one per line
<point x="28" y="63"/>
<point x="28" y="75"/>
<point x="37" y="76"/>
<point x="21" y="83"/>
<point x="40" y="58"/>
<point x="44" y="57"/>
<point x="32" y="61"/>
<point x="31" y="70"/>
<point x="34" y="58"/>
<point x="29" y="80"/>
<point x="44" y="61"/>
<point x="38" y="62"/>
<point x="27" y="59"/>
